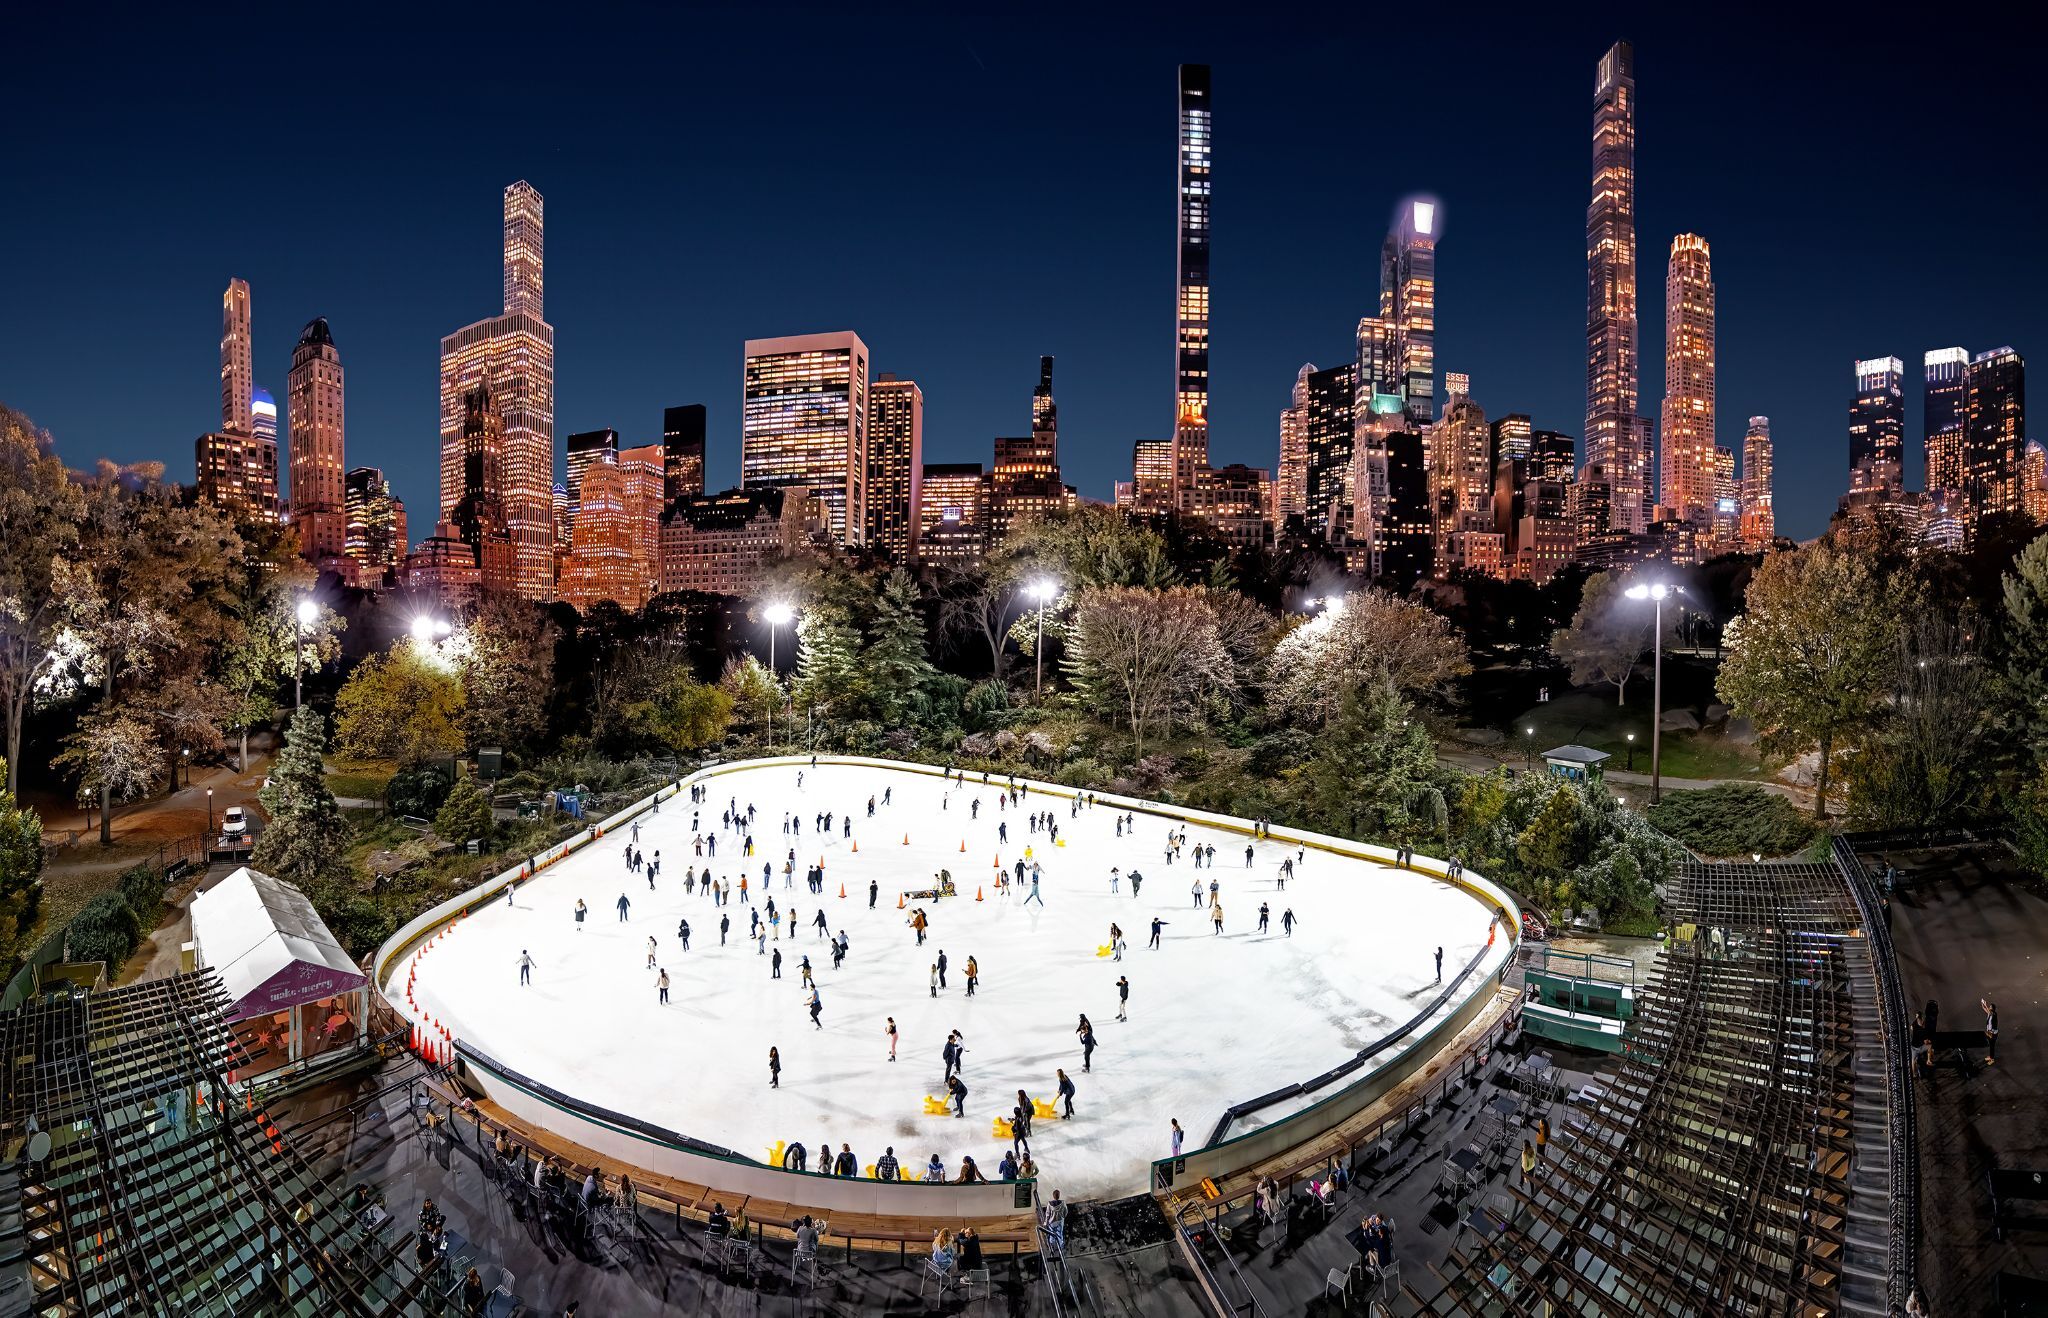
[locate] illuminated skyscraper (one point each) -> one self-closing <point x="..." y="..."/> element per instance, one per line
<point x="1995" y="432"/>
<point x="682" y="451"/>
<point x="1331" y="437"/>
<point x="1877" y="426"/>
<point x="1727" y="497"/>
<point x="237" y="474"/>
<point x="953" y="514"/>
<point x="313" y="393"/>
<point x="480" y="505"/>
<point x="237" y="369"/>
<point x="1152" y="474"/>
<point x="804" y="423"/>
<point x="1686" y="460"/>
<point x="1759" y="523"/>
<point x="1461" y="482"/>
<point x="1514" y="435"/>
<point x="1045" y="412"/>
<point x="1944" y="408"/>
<point x="642" y="471"/>
<point x="608" y="557"/>
<point x="585" y="447"/>
<point x="376" y="525"/>
<point x="1408" y="306"/>
<point x="263" y="421"/>
<point x="512" y="353"/>
<point x="1191" y="314"/>
<point x="1290" y="497"/>
<point x="895" y="467"/>
<point x="1617" y="439"/>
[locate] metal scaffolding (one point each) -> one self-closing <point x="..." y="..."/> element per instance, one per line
<point x="162" y="1191"/>
<point x="1727" y="1168"/>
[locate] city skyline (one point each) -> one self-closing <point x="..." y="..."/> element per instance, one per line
<point x="644" y="326"/>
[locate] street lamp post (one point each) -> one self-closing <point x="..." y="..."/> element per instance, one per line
<point x="776" y="614"/>
<point x="1656" y="593"/>
<point x="309" y="613"/>
<point x="209" y="812"/>
<point x="1529" y="750"/>
<point x="1043" y="590"/>
<point x="1631" y="752"/>
<point x="185" y="758"/>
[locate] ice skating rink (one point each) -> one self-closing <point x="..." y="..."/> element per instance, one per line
<point x="1213" y="1020"/>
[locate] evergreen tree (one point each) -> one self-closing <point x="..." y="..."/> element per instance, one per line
<point x="895" y="664"/>
<point x="21" y="866"/>
<point x="1377" y="772"/>
<point x="828" y="673"/>
<point x="466" y="814"/>
<point x="305" y="840"/>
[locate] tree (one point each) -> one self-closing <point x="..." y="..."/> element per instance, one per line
<point x="262" y="614"/>
<point x="1148" y="655"/>
<point x="1924" y="762"/>
<point x="21" y="869"/>
<point x="1609" y="634"/>
<point x="506" y="658"/>
<point x="692" y="715"/>
<point x="2023" y="650"/>
<point x="1811" y="660"/>
<point x="305" y="842"/>
<point x="115" y="756"/>
<point x="828" y="674"/>
<point x="1372" y="635"/>
<point x="753" y="690"/>
<point x="894" y="663"/>
<point x="978" y="604"/>
<point x="1084" y="546"/>
<point x="1376" y="775"/>
<point x="466" y="814"/>
<point x="401" y="705"/>
<point x="39" y="510"/>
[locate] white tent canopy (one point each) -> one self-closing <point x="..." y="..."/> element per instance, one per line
<point x="268" y="945"/>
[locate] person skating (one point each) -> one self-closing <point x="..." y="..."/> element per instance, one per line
<point x="683" y="932"/>
<point x="1439" y="965"/>
<point x="819" y="923"/>
<point x="891" y="1030"/>
<point x="775" y="965"/>
<point x="1123" y="997"/>
<point x="1065" y="1091"/>
<point x="1116" y="942"/>
<point x="918" y="923"/>
<point x="958" y="1089"/>
<point x="1247" y="855"/>
<point x="932" y="980"/>
<point x="1033" y="897"/>
<point x="1195" y="891"/>
<point x="1115" y="873"/>
<point x="1175" y="1136"/>
<point x="817" y="1007"/>
<point x="804" y="968"/>
<point x="662" y="984"/>
<point x="724" y="924"/>
<point x="774" y="1068"/>
<point x="973" y="975"/>
<point x="1020" y="1123"/>
<point x="1216" y="916"/>
<point x="874" y="891"/>
<point x="1264" y="912"/>
<point x="1157" y="925"/>
<point x="1086" y="1033"/>
<point x="1137" y="880"/>
<point x="581" y="911"/>
<point x="525" y="967"/>
<point x="942" y="967"/>
<point x="951" y="1053"/>
<point x="1287" y="921"/>
<point x="623" y="906"/>
<point x="650" y="951"/>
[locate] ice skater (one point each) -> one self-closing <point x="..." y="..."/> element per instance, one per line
<point x="954" y="1053"/>
<point x="804" y="968"/>
<point x="1086" y="1033"/>
<point x="1116" y="941"/>
<point x="973" y="975"/>
<point x="775" y="965"/>
<point x="942" y="967"/>
<point x="624" y="904"/>
<point x="932" y="981"/>
<point x="1439" y="965"/>
<point x="891" y="1030"/>
<point x="525" y="967"/>
<point x="874" y="891"/>
<point x="1115" y="873"/>
<point x="1065" y="1092"/>
<point x="1123" y="997"/>
<point x="1195" y="891"/>
<point x="774" y="1069"/>
<point x="662" y="985"/>
<point x="581" y="911"/>
<point x="817" y="1009"/>
<point x="1247" y="855"/>
<point x="1034" y="897"/>
<point x="1287" y="921"/>
<point x="1264" y="912"/>
<point x="958" y="1089"/>
<point x="683" y="932"/>
<point x="650" y="951"/>
<point x="1157" y="925"/>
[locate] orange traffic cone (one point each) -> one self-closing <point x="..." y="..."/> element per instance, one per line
<point x="899" y="901"/>
<point x="842" y="890"/>
<point x="906" y="839"/>
<point x="977" y="892"/>
<point x="996" y="863"/>
<point x="963" y="846"/>
<point x="856" y="844"/>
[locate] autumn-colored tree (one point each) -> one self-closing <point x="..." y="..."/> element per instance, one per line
<point x="1369" y="636"/>
<point x="506" y="658"/>
<point x="1810" y="661"/>
<point x="40" y="506"/>
<point x="1610" y="634"/>
<point x="1147" y="656"/>
<point x="402" y="705"/>
<point x="21" y="869"/>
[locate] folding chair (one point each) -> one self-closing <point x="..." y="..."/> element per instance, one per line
<point x="933" y="1272"/>
<point x="976" y="1285"/>
<point x="1337" y="1282"/>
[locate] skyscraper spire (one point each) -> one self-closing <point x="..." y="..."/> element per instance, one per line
<point x="1686" y="466"/>
<point x="314" y="412"/>
<point x="524" y="285"/>
<point x="237" y="373"/>
<point x="1617" y="439"/>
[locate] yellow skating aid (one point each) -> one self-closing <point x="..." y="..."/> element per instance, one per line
<point x="1104" y="950"/>
<point x="775" y="1151"/>
<point x="1027" y="853"/>
<point x="1041" y="1107"/>
<point x="934" y="1107"/>
<point x="999" y="1127"/>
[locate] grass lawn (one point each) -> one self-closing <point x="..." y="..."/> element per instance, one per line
<point x="1591" y="718"/>
<point x="361" y="779"/>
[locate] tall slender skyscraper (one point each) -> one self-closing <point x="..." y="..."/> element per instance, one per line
<point x="682" y="452"/>
<point x="895" y="467"/>
<point x="313" y="410"/>
<point x="1290" y="497"/>
<point x="1617" y="439"/>
<point x="376" y="525"/>
<point x="1944" y="409"/>
<point x="1408" y="306"/>
<point x="804" y="423"/>
<point x="512" y="353"/>
<point x="1995" y="432"/>
<point x="1759" y="523"/>
<point x="237" y="369"/>
<point x="1877" y="426"/>
<point x="1191" y="303"/>
<point x="1686" y="462"/>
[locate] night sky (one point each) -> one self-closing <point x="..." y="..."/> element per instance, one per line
<point x="968" y="192"/>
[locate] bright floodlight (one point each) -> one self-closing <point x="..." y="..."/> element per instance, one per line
<point x="1333" y="605"/>
<point x="423" y="629"/>
<point x="1044" y="589"/>
<point x="777" y="614"/>
<point x="1655" y="592"/>
<point x="441" y="627"/>
<point x="309" y="612"/>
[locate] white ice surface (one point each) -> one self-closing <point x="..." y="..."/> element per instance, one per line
<point x="1213" y="1020"/>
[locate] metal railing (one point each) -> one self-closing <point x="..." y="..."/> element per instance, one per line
<point x="1903" y="1235"/>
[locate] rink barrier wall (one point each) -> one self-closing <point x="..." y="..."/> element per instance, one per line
<point x="639" y="1144"/>
<point x="1215" y="1160"/>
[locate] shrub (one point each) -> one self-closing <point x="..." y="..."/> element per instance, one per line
<point x="418" y="792"/>
<point x="142" y="889"/>
<point x="1733" y="819"/>
<point x="465" y="815"/>
<point x="105" y="930"/>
